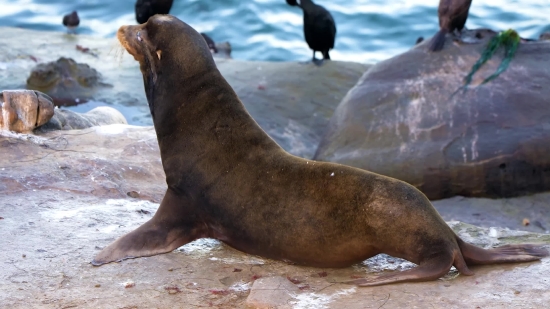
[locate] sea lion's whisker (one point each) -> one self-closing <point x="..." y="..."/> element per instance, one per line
<point x="117" y="51"/>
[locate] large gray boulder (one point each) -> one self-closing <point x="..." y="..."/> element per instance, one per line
<point x="402" y="120"/>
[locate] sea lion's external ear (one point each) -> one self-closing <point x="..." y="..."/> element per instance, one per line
<point x="159" y="52"/>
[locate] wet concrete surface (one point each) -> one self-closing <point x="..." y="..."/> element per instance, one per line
<point x="67" y="194"/>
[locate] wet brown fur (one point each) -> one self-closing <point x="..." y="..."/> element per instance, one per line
<point x="227" y="179"/>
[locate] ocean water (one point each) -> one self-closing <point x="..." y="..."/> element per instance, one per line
<point x="367" y="30"/>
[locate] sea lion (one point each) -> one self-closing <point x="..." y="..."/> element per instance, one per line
<point x="71" y="21"/>
<point x="452" y="16"/>
<point x="319" y="28"/>
<point x="227" y="179"/>
<point x="147" y="8"/>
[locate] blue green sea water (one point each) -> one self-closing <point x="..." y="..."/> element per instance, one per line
<point x="367" y="30"/>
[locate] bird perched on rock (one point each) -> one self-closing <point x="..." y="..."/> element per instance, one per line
<point x="148" y="8"/>
<point x="452" y="16"/>
<point x="71" y="21"/>
<point x="319" y="27"/>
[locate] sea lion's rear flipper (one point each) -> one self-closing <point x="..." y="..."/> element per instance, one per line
<point x="171" y="227"/>
<point x="505" y="254"/>
<point x="426" y="271"/>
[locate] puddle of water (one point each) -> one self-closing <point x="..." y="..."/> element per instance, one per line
<point x="200" y="247"/>
<point x="205" y="248"/>
<point x="384" y="262"/>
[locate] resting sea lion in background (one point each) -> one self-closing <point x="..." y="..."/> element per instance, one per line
<point x="227" y="179"/>
<point x="452" y="16"/>
<point x="211" y="44"/>
<point x="319" y="28"/>
<point x="147" y="8"/>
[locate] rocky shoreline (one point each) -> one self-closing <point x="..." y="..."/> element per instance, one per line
<point x="68" y="193"/>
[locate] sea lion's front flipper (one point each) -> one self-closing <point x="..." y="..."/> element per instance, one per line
<point x="172" y="226"/>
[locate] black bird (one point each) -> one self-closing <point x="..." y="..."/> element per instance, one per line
<point x="71" y="21"/>
<point x="319" y="27"/>
<point x="148" y="8"/>
<point x="210" y="43"/>
<point x="452" y="16"/>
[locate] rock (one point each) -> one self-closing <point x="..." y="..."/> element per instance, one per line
<point x="69" y="120"/>
<point x="291" y="101"/>
<point x="402" y="120"/>
<point x="22" y="111"/>
<point x="545" y="36"/>
<point x="64" y="196"/>
<point x="224" y="50"/>
<point x="104" y="161"/>
<point x="271" y="293"/>
<point x="65" y="80"/>
<point x="503" y="212"/>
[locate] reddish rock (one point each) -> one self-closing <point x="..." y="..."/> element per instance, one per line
<point x="22" y="111"/>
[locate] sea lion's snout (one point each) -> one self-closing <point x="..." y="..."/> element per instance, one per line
<point x="130" y="37"/>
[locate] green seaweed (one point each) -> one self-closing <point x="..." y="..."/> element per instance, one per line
<point x="510" y="46"/>
<point x="510" y="40"/>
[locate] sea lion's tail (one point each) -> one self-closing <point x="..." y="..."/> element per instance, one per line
<point x="505" y="254"/>
<point x="438" y="40"/>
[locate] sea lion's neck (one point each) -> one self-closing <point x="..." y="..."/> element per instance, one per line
<point x="201" y="123"/>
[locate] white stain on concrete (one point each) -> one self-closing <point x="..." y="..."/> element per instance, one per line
<point x="318" y="301"/>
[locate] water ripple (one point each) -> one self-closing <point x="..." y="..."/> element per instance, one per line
<point x="368" y="30"/>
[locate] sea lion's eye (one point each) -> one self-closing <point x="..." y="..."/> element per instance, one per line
<point x="138" y="36"/>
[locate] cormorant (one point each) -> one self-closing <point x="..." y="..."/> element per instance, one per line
<point x="71" y="21"/>
<point x="319" y="27"/>
<point x="148" y="8"/>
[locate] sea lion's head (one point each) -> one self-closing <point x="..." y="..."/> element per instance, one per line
<point x="170" y="53"/>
